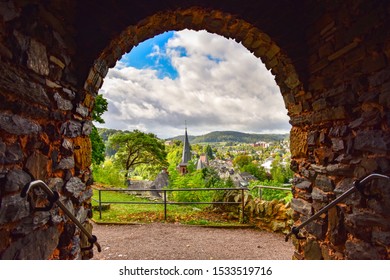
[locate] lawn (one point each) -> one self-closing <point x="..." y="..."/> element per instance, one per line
<point x="148" y="213"/>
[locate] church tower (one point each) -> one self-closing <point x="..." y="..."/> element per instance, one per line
<point x="186" y="156"/>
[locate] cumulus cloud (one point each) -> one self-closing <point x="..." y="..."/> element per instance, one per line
<point x="220" y="85"/>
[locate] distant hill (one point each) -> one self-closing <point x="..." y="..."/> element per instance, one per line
<point x="232" y="136"/>
<point x="213" y="137"/>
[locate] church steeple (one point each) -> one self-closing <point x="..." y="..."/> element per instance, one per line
<point x="186" y="156"/>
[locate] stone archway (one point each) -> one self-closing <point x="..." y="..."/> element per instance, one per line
<point x="332" y="66"/>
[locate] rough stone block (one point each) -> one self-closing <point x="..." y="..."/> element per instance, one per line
<point x="82" y="155"/>
<point x="10" y="154"/>
<point x="13" y="208"/>
<point x="83" y="111"/>
<point x="66" y="163"/>
<point x="323" y="155"/>
<point x="37" y="165"/>
<point x="87" y="128"/>
<point x="338" y="233"/>
<point x="16" y="180"/>
<point x="298" y="142"/>
<point x="317" y="228"/>
<point x="321" y="196"/>
<point x="37" y="58"/>
<point x="312" y="250"/>
<point x="18" y="125"/>
<point x="62" y="103"/>
<point x="337" y="144"/>
<point x="360" y="250"/>
<point x="71" y="129"/>
<point x="302" y="184"/>
<point x="75" y="186"/>
<point x="375" y="141"/>
<point x="38" y="245"/>
<point x="324" y="183"/>
<point x="301" y="206"/>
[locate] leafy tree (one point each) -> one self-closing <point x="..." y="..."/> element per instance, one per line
<point x="242" y="160"/>
<point x="280" y="173"/>
<point x="100" y="106"/>
<point x="98" y="147"/>
<point x="209" y="152"/>
<point x="258" y="172"/>
<point x="211" y="177"/>
<point x="135" y="148"/>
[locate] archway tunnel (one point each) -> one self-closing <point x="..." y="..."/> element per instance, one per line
<point x="330" y="61"/>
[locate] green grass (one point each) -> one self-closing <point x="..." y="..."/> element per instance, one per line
<point x="148" y="213"/>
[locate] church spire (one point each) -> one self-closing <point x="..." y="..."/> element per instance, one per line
<point x="186" y="156"/>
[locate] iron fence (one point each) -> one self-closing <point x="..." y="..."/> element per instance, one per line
<point x="260" y="187"/>
<point x="165" y="201"/>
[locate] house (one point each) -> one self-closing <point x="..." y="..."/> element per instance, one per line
<point x="202" y="162"/>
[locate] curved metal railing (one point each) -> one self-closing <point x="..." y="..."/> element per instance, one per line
<point x="53" y="197"/>
<point x="357" y="186"/>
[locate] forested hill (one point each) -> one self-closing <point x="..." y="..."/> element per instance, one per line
<point x="213" y="137"/>
<point x="232" y="136"/>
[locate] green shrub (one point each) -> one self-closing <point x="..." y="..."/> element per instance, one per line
<point x="108" y="174"/>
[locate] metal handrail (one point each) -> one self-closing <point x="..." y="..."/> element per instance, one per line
<point x="356" y="186"/>
<point x="165" y="202"/>
<point x="260" y="187"/>
<point x="53" y="197"/>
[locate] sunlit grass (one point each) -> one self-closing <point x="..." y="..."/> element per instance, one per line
<point x="148" y="213"/>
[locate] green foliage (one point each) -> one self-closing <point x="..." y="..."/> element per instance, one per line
<point x="258" y="172"/>
<point x="135" y="148"/>
<point x="209" y="152"/>
<point x="174" y="156"/>
<point x="98" y="147"/>
<point x="233" y="137"/>
<point x="108" y="174"/>
<point x="100" y="106"/>
<point x="270" y="194"/>
<point x="281" y="174"/>
<point x="242" y="160"/>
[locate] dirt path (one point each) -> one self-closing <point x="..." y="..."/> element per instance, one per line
<point x="159" y="241"/>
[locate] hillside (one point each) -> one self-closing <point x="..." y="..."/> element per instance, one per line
<point x="232" y="136"/>
<point x="214" y="137"/>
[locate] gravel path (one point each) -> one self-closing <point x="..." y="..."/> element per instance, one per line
<point x="160" y="241"/>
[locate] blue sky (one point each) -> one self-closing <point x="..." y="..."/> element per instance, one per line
<point x="151" y="54"/>
<point x="209" y="81"/>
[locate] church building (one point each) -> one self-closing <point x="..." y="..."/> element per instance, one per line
<point x="186" y="156"/>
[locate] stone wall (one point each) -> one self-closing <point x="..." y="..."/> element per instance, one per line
<point x="275" y="215"/>
<point x="341" y="132"/>
<point x="44" y="128"/>
<point x="330" y="60"/>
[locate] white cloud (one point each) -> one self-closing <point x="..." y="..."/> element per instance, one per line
<point x="220" y="86"/>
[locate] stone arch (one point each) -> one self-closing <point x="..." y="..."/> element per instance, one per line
<point x="227" y="25"/>
<point x="334" y="81"/>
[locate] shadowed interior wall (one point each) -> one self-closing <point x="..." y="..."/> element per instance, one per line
<point x="330" y="60"/>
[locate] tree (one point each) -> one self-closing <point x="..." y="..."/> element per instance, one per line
<point x="242" y="160"/>
<point x="209" y="152"/>
<point x="100" y="106"/>
<point x="98" y="147"/>
<point x="258" y="172"/>
<point x="135" y="148"/>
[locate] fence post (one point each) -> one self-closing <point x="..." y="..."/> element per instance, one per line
<point x="261" y="193"/>
<point x="100" y="204"/>
<point x="242" y="205"/>
<point x="165" y="205"/>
